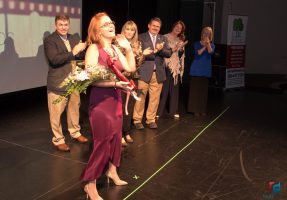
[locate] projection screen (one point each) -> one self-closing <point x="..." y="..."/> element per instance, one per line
<point x="23" y="25"/>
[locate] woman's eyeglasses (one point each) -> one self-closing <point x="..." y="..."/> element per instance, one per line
<point x="106" y="24"/>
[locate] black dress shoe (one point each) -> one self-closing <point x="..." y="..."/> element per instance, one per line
<point x="139" y="126"/>
<point x="152" y="125"/>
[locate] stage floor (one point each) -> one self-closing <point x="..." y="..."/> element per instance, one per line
<point x="233" y="153"/>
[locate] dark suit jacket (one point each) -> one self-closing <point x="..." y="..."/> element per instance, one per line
<point x="146" y="69"/>
<point x="59" y="59"/>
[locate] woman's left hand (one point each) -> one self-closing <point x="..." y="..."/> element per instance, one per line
<point x="123" y="85"/>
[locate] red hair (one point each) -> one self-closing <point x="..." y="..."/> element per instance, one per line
<point x="93" y="30"/>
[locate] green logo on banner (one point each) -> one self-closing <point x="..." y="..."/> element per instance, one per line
<point x="238" y="26"/>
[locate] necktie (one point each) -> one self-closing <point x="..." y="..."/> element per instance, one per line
<point x="67" y="44"/>
<point x="153" y="41"/>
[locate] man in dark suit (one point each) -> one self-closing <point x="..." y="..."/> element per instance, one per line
<point x="60" y="49"/>
<point x="152" y="73"/>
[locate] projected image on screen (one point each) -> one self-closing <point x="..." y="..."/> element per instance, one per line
<point x="24" y="24"/>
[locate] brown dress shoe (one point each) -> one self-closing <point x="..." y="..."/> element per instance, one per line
<point x="152" y="125"/>
<point x="63" y="147"/>
<point x="139" y="126"/>
<point x="81" y="139"/>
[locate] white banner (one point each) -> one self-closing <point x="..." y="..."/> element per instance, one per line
<point x="235" y="77"/>
<point x="235" y="60"/>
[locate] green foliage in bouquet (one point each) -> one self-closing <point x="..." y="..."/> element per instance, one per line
<point x="82" y="77"/>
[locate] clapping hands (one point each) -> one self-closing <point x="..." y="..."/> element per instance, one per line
<point x="206" y="42"/>
<point x="147" y="51"/>
<point x="158" y="47"/>
<point x="81" y="46"/>
<point x="180" y="45"/>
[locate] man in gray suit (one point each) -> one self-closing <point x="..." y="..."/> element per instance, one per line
<point x="60" y="49"/>
<point x="152" y="73"/>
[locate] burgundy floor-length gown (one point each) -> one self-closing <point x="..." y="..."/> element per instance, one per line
<point x="105" y="115"/>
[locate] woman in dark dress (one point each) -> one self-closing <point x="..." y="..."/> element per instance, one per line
<point x="105" y="110"/>
<point x="130" y="31"/>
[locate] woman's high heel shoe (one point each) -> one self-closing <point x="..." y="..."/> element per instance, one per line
<point x="117" y="181"/>
<point x="129" y="139"/>
<point x="90" y="195"/>
<point x="124" y="144"/>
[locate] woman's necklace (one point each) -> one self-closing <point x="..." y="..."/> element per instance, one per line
<point x="111" y="53"/>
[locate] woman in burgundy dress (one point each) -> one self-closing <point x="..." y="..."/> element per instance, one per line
<point x="105" y="110"/>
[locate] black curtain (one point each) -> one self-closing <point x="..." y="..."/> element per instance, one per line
<point x="115" y="9"/>
<point x="191" y="12"/>
<point x="120" y="12"/>
<point x="142" y="11"/>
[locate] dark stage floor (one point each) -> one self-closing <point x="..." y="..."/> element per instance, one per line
<point x="231" y="154"/>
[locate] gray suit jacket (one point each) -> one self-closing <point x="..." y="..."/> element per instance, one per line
<point x="59" y="60"/>
<point x="146" y="69"/>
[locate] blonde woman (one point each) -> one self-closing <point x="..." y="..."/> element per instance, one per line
<point x="130" y="31"/>
<point x="105" y="111"/>
<point x="200" y="71"/>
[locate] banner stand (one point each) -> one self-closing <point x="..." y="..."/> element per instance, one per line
<point x="229" y="60"/>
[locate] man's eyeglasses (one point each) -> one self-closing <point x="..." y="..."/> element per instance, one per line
<point x="106" y="24"/>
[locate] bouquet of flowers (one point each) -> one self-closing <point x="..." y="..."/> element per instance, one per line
<point x="82" y="77"/>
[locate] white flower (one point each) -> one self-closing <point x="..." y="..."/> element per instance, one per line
<point x="82" y="76"/>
